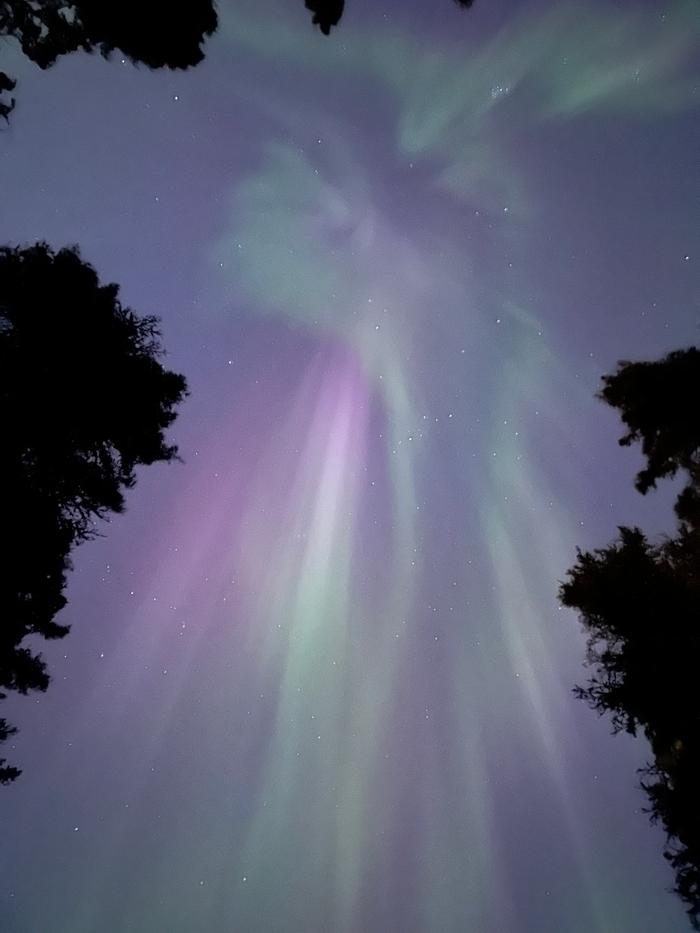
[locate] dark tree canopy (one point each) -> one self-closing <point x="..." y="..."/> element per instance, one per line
<point x="84" y="400"/>
<point x="658" y="402"/>
<point x="639" y="608"/>
<point x="156" y="33"/>
<point x="639" y="604"/>
<point x="328" y="13"/>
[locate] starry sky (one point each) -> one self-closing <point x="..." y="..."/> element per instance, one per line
<point x="317" y="679"/>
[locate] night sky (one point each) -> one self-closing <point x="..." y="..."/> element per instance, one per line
<point x="317" y="679"/>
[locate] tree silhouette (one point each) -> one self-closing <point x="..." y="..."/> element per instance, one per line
<point x="328" y="13"/>
<point x="639" y="604"/>
<point x="148" y="32"/>
<point x="84" y="401"/>
<point x="658" y="404"/>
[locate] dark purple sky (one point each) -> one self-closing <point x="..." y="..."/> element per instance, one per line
<point x="318" y="681"/>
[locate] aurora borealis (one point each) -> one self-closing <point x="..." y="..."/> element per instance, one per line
<point x="317" y="680"/>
